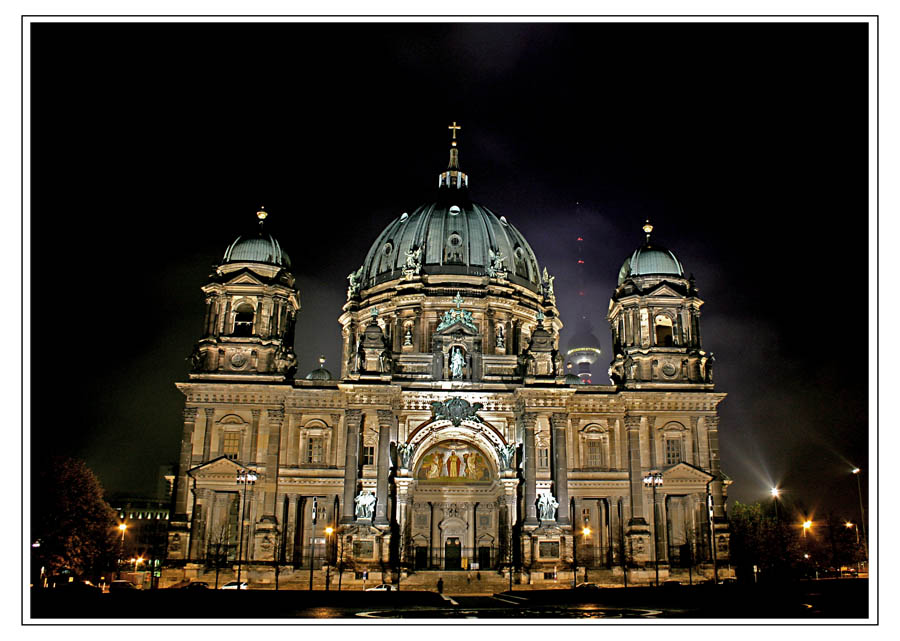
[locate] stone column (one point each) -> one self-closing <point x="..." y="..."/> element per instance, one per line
<point x="635" y="473"/>
<point x="184" y="463"/>
<point x="274" y="419"/>
<point x="207" y="433"/>
<point x="351" y="465"/>
<point x="510" y="484"/>
<point x="290" y="526"/>
<point x="385" y="421"/>
<point x="253" y="457"/>
<point x="203" y="506"/>
<point x="715" y="486"/>
<point x="558" y="422"/>
<point x="528" y="420"/>
<point x="403" y="483"/>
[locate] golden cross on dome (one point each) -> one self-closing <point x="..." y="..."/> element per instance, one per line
<point x="454" y="128"/>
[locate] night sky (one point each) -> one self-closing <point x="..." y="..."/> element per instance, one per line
<point x="746" y="145"/>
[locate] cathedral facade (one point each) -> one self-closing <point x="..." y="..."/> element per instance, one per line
<point x="452" y="439"/>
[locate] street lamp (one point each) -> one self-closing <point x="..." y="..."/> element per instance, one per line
<point x="806" y="525"/>
<point x="312" y="546"/>
<point x="328" y="532"/>
<point x="244" y="478"/>
<point x="122" y="528"/>
<point x="775" y="492"/>
<point x="849" y="525"/>
<point x="652" y="480"/>
<point x="862" y="513"/>
<point x="585" y="533"/>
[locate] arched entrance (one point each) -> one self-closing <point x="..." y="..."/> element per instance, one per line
<point x="452" y="553"/>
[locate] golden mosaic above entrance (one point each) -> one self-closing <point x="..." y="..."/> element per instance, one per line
<point x="454" y="462"/>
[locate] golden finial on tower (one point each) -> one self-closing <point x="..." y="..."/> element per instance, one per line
<point x="454" y="128"/>
<point x="262" y="213"/>
<point x="647" y="229"/>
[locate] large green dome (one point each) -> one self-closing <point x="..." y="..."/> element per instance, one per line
<point x="456" y="236"/>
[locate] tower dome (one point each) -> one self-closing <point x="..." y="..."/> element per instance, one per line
<point x="650" y="260"/>
<point x="257" y="248"/>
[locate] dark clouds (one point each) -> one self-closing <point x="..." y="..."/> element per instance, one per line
<point x="746" y="145"/>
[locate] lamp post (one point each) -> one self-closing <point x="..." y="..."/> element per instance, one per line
<point x="862" y="513"/>
<point x="244" y="478"/>
<point x="585" y="533"/>
<point x="849" y="525"/>
<point x="775" y="492"/>
<point x="122" y="528"/>
<point x="312" y="546"/>
<point x="328" y="532"/>
<point x="652" y="480"/>
<point x="712" y="534"/>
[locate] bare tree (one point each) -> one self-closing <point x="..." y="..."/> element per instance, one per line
<point x="218" y="548"/>
<point x="342" y="557"/>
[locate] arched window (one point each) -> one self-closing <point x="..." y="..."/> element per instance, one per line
<point x="664" y="336"/>
<point x="243" y="320"/>
<point x="231" y="444"/>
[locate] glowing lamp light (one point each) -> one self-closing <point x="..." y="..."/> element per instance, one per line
<point x="855" y="470"/>
<point x="848" y="525"/>
<point x="586" y="531"/>
<point x="775" y="492"/>
<point x="329" y="530"/>
<point x="122" y="527"/>
<point x="807" y="525"/>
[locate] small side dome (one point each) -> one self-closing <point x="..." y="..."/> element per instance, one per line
<point x="571" y="379"/>
<point x="650" y="259"/>
<point x="320" y="373"/>
<point x="259" y="248"/>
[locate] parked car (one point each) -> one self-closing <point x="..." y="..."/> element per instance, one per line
<point x="728" y="581"/>
<point x="234" y="585"/>
<point x="671" y="584"/>
<point x="81" y="587"/>
<point x="196" y="585"/>
<point x="384" y="587"/>
<point x="121" y="584"/>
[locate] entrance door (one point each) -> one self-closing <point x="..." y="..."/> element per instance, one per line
<point x="484" y="558"/>
<point x="452" y="554"/>
<point x="421" y="557"/>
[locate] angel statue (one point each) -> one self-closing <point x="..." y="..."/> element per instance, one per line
<point x="365" y="504"/>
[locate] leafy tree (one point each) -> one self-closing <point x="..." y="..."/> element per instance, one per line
<point x="772" y="545"/>
<point x="74" y="526"/>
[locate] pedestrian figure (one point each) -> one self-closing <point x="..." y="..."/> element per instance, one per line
<point x="440" y="585"/>
<point x="478" y="575"/>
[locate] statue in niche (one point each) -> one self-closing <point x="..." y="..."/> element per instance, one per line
<point x="501" y="339"/>
<point x="365" y="504"/>
<point x="360" y="358"/>
<point x="631" y="367"/>
<point x="407" y="336"/>
<point x="547" y="506"/>
<point x="457" y="362"/>
<point x="386" y="362"/>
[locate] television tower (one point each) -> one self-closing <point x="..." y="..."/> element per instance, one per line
<point x="584" y="348"/>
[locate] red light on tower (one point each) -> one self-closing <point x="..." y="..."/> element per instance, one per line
<point x="580" y="239"/>
<point x="580" y="262"/>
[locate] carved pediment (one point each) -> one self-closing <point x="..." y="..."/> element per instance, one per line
<point x="245" y="278"/>
<point x="685" y="472"/>
<point x="664" y="289"/>
<point x="216" y="469"/>
<point x="231" y="419"/>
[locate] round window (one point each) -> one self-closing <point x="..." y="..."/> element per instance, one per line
<point x="387" y="249"/>
<point x="454" y="210"/>
<point x="455" y="240"/>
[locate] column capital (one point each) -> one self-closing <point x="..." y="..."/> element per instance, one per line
<point x="275" y="416"/>
<point x="256" y="413"/>
<point x="632" y="422"/>
<point x="711" y="422"/>
<point x="559" y="420"/>
<point x="385" y="418"/>
<point x="209" y="411"/>
<point x="190" y="414"/>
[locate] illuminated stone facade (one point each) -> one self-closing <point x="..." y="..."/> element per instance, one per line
<point x="452" y="439"/>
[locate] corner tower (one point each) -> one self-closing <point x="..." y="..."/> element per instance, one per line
<point x="251" y="308"/>
<point x="654" y="315"/>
